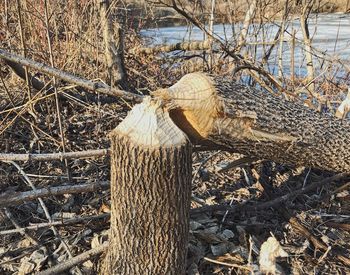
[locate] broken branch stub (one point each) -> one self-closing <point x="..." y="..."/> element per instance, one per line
<point x="257" y="124"/>
<point x="150" y="190"/>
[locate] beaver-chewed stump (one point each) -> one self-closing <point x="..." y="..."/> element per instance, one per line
<point x="151" y="170"/>
<point x="151" y="160"/>
<point x="212" y="110"/>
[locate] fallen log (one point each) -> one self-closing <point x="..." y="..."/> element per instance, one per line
<point x="212" y="110"/>
<point x="184" y="46"/>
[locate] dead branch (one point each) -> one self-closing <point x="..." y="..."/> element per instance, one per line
<point x="318" y="244"/>
<point x="81" y="154"/>
<point x="54" y="156"/>
<point x="98" y="87"/>
<point x="61" y="222"/>
<point x="30" y="238"/>
<point x="247" y="20"/>
<point x="83" y="257"/>
<point x="271" y="203"/>
<point x="239" y="59"/>
<point x="45" y="209"/>
<point x="15" y="198"/>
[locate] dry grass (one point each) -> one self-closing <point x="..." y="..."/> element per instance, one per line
<point x="75" y="34"/>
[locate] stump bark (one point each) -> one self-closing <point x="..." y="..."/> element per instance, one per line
<point x="151" y="167"/>
<point x="215" y="111"/>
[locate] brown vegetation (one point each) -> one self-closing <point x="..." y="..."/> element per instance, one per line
<point x="237" y="201"/>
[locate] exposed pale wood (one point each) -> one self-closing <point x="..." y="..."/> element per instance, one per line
<point x="344" y="107"/>
<point x="150" y="188"/>
<point x="257" y="124"/>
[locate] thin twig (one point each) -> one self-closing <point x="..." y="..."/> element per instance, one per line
<point x="24" y="50"/>
<point x="11" y="199"/>
<point x="63" y="222"/>
<point x="23" y="232"/>
<point x="57" y="103"/>
<point x="43" y="206"/>
<point x="271" y="203"/>
<point x="227" y="264"/>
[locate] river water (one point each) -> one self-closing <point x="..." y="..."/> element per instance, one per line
<point x="330" y="35"/>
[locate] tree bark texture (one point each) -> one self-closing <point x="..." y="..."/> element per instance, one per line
<point x="150" y="188"/>
<point x="306" y="10"/>
<point x="114" y="46"/>
<point x="257" y="124"/>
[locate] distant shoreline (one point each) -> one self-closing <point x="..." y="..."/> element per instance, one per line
<point x="225" y="13"/>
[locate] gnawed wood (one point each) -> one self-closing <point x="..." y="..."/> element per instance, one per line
<point x="150" y="189"/>
<point x="257" y="124"/>
<point x="344" y="107"/>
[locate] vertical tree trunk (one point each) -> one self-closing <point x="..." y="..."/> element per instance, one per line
<point x="307" y="45"/>
<point x="210" y="38"/>
<point x="150" y="188"/>
<point x="114" y="46"/>
<point x="247" y="20"/>
<point x="280" y="50"/>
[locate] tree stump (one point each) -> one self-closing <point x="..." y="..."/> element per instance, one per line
<point x="151" y="169"/>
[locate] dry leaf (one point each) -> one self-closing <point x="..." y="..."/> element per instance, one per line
<point x="269" y="251"/>
<point x="26" y="266"/>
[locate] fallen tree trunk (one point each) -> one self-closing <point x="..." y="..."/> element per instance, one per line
<point x="184" y="46"/>
<point x="212" y="110"/>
